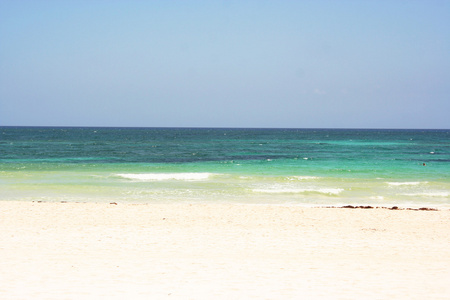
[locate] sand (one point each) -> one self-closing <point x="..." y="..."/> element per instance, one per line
<point x="221" y="251"/>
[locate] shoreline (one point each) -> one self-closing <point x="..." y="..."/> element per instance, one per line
<point x="394" y="207"/>
<point x="54" y="250"/>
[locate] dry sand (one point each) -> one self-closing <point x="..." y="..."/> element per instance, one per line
<point x="221" y="251"/>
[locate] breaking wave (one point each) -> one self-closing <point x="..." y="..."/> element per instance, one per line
<point x="167" y="176"/>
<point x="406" y="183"/>
<point x="325" y="191"/>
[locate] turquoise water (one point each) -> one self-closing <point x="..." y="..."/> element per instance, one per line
<point x="294" y="166"/>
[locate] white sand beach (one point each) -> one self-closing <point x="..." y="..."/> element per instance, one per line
<point x="221" y="251"/>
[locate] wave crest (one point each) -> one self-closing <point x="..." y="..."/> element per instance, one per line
<point x="406" y="183"/>
<point x="167" y="176"/>
<point x="429" y="194"/>
<point x="326" y="191"/>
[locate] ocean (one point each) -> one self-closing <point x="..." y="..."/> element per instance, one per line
<point x="311" y="167"/>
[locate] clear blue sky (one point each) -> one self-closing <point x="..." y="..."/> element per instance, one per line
<point x="301" y="64"/>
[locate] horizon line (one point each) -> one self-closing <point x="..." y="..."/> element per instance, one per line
<point x="217" y="127"/>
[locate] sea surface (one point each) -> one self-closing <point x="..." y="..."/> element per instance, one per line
<point x="311" y="167"/>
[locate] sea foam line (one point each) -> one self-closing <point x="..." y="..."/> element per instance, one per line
<point x="429" y="194"/>
<point x="406" y="183"/>
<point x="302" y="177"/>
<point x="299" y="191"/>
<point x="167" y="176"/>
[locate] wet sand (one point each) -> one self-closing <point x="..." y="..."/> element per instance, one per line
<point x="221" y="251"/>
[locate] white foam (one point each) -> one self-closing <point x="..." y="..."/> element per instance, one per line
<point x="302" y="177"/>
<point x="406" y="183"/>
<point x="167" y="176"/>
<point x="431" y="194"/>
<point x="326" y="191"/>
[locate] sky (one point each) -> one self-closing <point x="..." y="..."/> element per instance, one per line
<point x="280" y="64"/>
